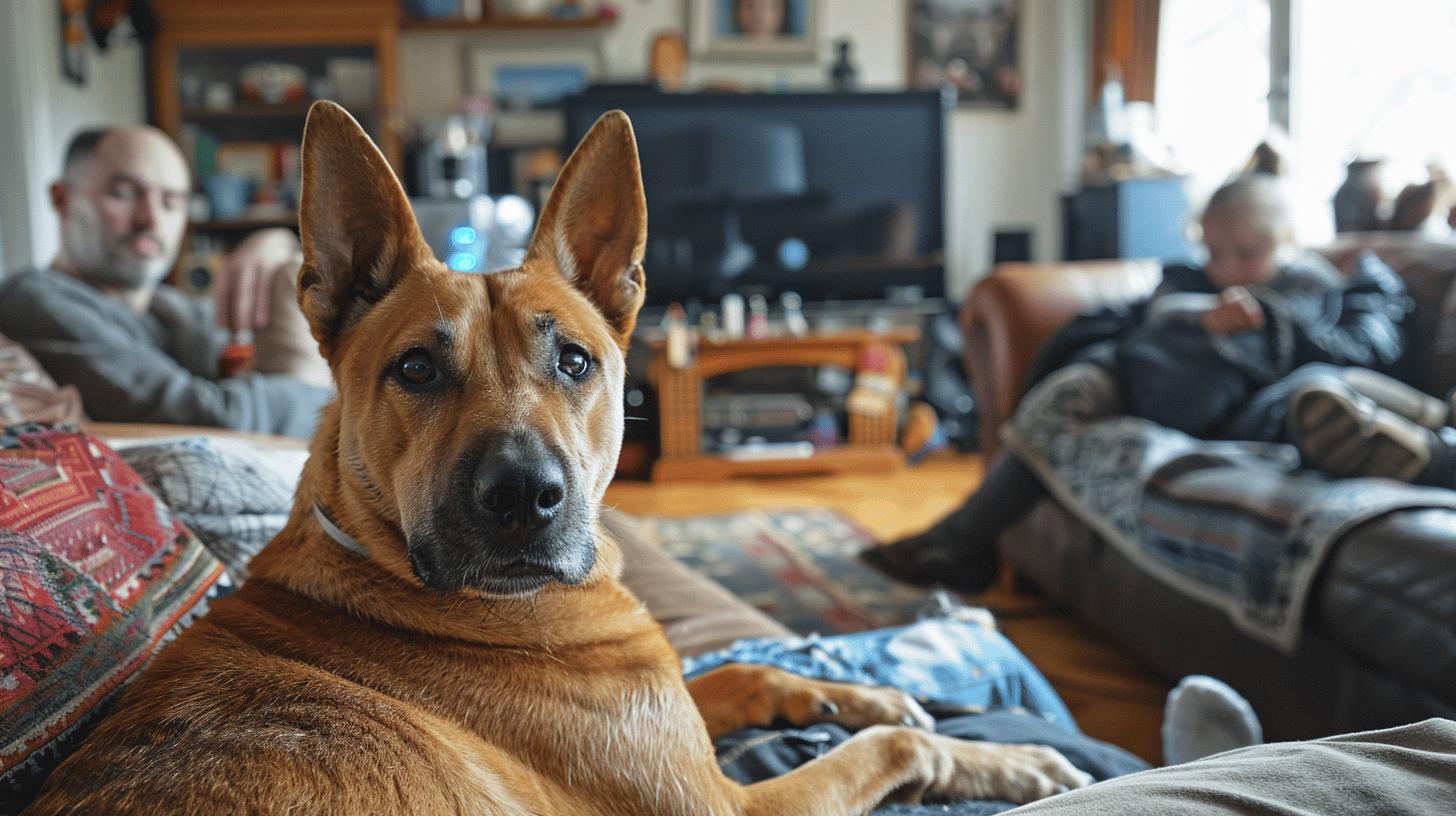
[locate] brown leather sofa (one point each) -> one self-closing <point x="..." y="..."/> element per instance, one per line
<point x="1380" y="641"/>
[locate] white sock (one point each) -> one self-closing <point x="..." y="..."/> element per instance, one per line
<point x="1204" y="716"/>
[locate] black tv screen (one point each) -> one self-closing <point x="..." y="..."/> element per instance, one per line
<point x="832" y="196"/>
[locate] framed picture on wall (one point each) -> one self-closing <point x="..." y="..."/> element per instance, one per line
<point x="756" y="29"/>
<point x="971" y="46"/>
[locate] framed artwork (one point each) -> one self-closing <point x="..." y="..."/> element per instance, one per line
<point x="970" y="46"/>
<point x="523" y="87"/>
<point x="756" y="29"/>
<point x="528" y="77"/>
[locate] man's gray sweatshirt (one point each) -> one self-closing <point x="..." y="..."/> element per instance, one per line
<point x="159" y="366"/>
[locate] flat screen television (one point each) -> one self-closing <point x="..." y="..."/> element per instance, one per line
<point x="835" y="196"/>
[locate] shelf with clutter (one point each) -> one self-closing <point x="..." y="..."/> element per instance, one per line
<point x="507" y="24"/>
<point x="722" y="435"/>
<point x="477" y="16"/>
<point x="233" y="86"/>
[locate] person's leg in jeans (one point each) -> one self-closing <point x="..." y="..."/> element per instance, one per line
<point x="959" y="551"/>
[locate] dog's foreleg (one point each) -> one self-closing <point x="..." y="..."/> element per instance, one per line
<point x="889" y="763"/>
<point x="742" y="695"/>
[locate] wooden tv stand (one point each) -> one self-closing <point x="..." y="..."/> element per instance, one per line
<point x="871" y="438"/>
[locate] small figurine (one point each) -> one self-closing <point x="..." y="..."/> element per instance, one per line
<point x="679" y="347"/>
<point x="794" y="314"/>
<point x="733" y="316"/>
<point x="843" y="75"/>
<point x="668" y="60"/>
<point x="758" y="327"/>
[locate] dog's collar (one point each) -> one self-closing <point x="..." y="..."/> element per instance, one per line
<point x="344" y="539"/>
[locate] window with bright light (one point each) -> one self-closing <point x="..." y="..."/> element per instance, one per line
<point x="1366" y="81"/>
<point x="1370" y="80"/>
<point x="1212" y="86"/>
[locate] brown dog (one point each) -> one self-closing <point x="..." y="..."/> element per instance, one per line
<point x="439" y="628"/>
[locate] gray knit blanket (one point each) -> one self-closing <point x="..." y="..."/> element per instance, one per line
<point x="234" y="495"/>
<point x="1235" y="525"/>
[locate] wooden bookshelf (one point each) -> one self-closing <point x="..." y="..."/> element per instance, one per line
<point x="507" y="24"/>
<point x="246" y="224"/>
<point x="290" y="31"/>
<point x="248" y="110"/>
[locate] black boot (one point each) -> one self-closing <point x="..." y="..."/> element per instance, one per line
<point x="952" y="554"/>
<point x="959" y="551"/>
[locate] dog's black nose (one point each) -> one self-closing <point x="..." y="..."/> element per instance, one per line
<point x="520" y="483"/>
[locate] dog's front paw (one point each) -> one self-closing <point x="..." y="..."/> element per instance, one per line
<point x="1014" y="773"/>
<point x="854" y="707"/>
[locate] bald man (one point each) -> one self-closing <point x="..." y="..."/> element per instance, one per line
<point x="100" y="318"/>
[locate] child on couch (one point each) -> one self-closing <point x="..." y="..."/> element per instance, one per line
<point x="1215" y="352"/>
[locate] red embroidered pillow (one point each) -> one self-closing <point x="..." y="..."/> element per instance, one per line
<point x="95" y="573"/>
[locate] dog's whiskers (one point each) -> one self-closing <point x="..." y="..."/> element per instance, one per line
<point x="491" y="605"/>
<point x="535" y="619"/>
<point x="490" y="610"/>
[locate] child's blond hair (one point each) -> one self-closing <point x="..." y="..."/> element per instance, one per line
<point x="1257" y="196"/>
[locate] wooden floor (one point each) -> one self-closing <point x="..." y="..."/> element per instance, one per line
<point x="1112" y="697"/>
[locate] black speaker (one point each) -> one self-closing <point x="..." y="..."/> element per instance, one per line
<point x="1011" y="245"/>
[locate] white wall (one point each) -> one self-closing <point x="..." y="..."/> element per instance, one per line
<point x="1007" y="170"/>
<point x="40" y="110"/>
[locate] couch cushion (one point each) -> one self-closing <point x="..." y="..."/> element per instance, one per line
<point x="697" y="614"/>
<point x="1388" y="595"/>
<point x="1323" y="688"/>
<point x="95" y="573"/>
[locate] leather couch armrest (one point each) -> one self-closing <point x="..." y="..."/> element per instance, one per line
<point x="1016" y="309"/>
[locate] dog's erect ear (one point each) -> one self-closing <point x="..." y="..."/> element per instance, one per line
<point x="594" y="225"/>
<point x="359" y="234"/>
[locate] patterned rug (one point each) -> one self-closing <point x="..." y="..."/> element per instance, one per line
<point x="797" y="565"/>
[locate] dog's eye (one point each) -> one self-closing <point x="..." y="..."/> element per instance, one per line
<point x="415" y="367"/>
<point x="574" y="362"/>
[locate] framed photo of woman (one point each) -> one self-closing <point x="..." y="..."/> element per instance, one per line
<point x="755" y="29"/>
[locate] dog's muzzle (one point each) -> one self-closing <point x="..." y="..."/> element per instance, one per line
<point x="510" y="526"/>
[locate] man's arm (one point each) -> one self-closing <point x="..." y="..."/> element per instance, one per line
<point x="124" y="378"/>
<point x="245" y="287"/>
<point x="255" y="292"/>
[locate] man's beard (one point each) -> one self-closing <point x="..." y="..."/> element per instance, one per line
<point x="110" y="263"/>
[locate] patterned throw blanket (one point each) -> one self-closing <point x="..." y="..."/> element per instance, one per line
<point x="1235" y="525"/>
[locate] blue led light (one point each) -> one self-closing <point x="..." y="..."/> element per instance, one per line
<point x="463" y="236"/>
<point x="463" y="261"/>
<point x="793" y="254"/>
